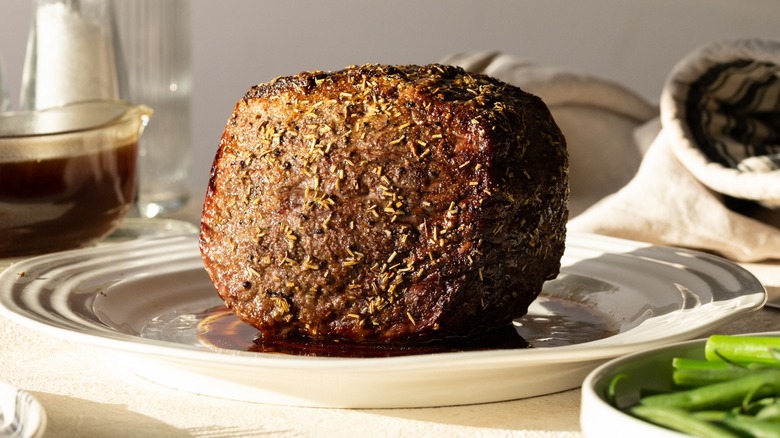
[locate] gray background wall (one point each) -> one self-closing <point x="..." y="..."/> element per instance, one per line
<point x="238" y="43"/>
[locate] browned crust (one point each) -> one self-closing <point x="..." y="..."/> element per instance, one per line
<point x="385" y="204"/>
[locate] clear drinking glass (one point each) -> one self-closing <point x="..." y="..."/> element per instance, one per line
<point x="154" y="37"/>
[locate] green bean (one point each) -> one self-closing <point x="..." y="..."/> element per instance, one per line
<point x="612" y="389"/>
<point x="710" y="415"/>
<point x="758" y="429"/>
<point x="681" y="421"/>
<point x="742" y="349"/>
<point x="697" y="372"/>
<point x="770" y="412"/>
<point x="700" y="377"/>
<point x="684" y="363"/>
<point x="720" y="395"/>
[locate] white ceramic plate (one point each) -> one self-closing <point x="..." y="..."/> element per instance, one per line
<point x="21" y="415"/>
<point x="649" y="371"/>
<point x="148" y="299"/>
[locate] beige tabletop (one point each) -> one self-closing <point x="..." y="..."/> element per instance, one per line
<point x="89" y="392"/>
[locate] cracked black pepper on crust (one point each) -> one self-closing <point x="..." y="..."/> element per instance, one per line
<point x="385" y="204"/>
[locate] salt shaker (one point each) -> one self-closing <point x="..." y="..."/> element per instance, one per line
<point x="71" y="54"/>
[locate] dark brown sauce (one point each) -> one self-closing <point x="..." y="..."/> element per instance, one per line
<point x="63" y="203"/>
<point x="221" y="328"/>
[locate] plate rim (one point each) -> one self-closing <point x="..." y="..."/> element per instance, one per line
<point x="509" y="357"/>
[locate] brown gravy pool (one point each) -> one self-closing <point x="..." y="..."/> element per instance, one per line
<point x="575" y="324"/>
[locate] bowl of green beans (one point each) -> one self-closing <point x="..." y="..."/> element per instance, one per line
<point x="722" y="386"/>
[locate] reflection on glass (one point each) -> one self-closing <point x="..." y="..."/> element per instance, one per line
<point x="5" y="104"/>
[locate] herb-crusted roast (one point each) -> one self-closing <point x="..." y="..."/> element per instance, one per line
<point x="385" y="204"/>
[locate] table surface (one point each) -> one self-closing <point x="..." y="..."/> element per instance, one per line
<point x="89" y="392"/>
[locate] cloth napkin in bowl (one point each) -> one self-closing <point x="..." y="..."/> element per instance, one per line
<point x="701" y="170"/>
<point x="710" y="178"/>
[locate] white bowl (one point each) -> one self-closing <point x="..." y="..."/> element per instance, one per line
<point x="648" y="370"/>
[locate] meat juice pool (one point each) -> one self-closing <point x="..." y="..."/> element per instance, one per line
<point x="572" y="323"/>
<point x="63" y="202"/>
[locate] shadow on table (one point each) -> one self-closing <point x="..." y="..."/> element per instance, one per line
<point x="75" y="417"/>
<point x="555" y="412"/>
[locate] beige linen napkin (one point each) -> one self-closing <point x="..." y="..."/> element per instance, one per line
<point x="706" y="177"/>
<point x="711" y="178"/>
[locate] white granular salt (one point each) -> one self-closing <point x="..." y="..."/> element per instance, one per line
<point x="71" y="58"/>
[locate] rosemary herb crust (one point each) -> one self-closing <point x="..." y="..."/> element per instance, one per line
<point x="385" y="204"/>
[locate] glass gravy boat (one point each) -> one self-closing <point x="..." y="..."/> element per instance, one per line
<point x="67" y="174"/>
